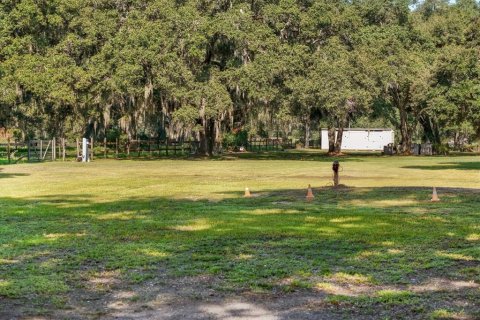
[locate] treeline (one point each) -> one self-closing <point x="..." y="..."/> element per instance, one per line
<point x="209" y="69"/>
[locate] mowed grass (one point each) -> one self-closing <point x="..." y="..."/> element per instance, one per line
<point x="377" y="243"/>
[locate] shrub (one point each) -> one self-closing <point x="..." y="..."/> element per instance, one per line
<point x="232" y="140"/>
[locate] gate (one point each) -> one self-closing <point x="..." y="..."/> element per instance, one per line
<point x="41" y="150"/>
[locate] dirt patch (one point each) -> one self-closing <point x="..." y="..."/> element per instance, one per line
<point x="439" y="284"/>
<point x="199" y="297"/>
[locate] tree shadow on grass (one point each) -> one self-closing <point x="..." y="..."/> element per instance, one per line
<point x="11" y="175"/>
<point x="294" y="155"/>
<point x="449" y="166"/>
<point x="302" y="155"/>
<point x="335" y="257"/>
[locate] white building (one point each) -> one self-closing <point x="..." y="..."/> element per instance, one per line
<point x="362" y="139"/>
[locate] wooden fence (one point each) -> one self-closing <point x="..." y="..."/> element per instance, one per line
<point x="13" y="151"/>
<point x="63" y="149"/>
<point x="257" y="145"/>
<point x="142" y="148"/>
<point x="33" y="150"/>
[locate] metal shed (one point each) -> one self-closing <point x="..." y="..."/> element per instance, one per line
<point x="362" y="139"/>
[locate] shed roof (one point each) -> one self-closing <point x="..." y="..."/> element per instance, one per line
<point x="363" y="129"/>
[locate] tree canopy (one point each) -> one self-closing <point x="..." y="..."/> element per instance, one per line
<point x="200" y="69"/>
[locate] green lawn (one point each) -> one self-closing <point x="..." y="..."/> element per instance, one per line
<point x="376" y="248"/>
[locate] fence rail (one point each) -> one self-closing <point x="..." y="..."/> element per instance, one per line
<point x="268" y="144"/>
<point x="13" y="151"/>
<point x="142" y="148"/>
<point x="63" y="149"/>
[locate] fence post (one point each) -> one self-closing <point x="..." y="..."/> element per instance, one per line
<point x="64" y="153"/>
<point x="41" y="150"/>
<point x="166" y="146"/>
<point x="91" y="147"/>
<point x="116" y="148"/>
<point x="59" y="149"/>
<point x="8" y="149"/>
<point x="78" y="149"/>
<point x="54" y="149"/>
<point x="139" y="147"/>
<point x="105" y="147"/>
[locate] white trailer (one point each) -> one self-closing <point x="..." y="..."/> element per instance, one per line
<point x="361" y="139"/>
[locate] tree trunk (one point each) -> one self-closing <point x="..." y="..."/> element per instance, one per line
<point x="430" y="129"/>
<point x="207" y="138"/>
<point x="338" y="141"/>
<point x="203" y="147"/>
<point x="307" y="133"/>
<point x="210" y="136"/>
<point x="204" y="133"/>
<point x="406" y="143"/>
<point x="331" y="139"/>
<point x="400" y="99"/>
<point x="456" y="141"/>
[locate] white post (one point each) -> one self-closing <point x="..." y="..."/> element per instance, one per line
<point x="85" y="150"/>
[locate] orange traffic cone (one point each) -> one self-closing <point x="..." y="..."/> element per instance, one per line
<point x="310" y="195"/>
<point x="247" y="193"/>
<point x="435" y="197"/>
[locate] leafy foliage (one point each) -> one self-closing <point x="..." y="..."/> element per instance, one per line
<point x="201" y="69"/>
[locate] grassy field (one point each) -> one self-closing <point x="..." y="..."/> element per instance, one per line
<point x="111" y="237"/>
